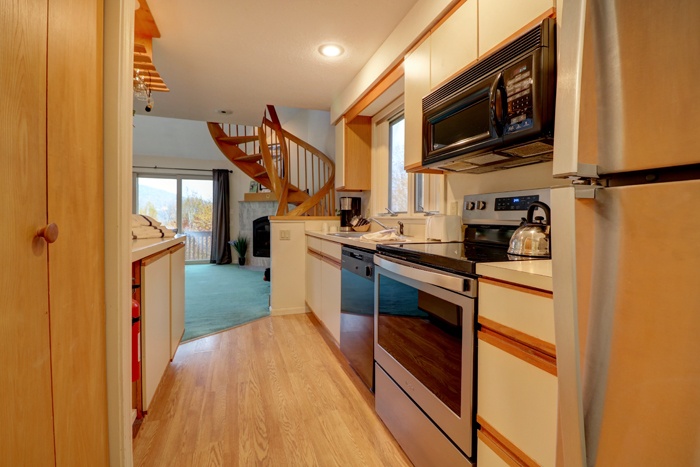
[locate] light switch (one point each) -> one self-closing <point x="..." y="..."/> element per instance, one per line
<point x="285" y="235"/>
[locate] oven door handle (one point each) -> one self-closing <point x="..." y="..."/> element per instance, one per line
<point x="460" y="284"/>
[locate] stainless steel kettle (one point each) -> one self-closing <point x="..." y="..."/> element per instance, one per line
<point x="532" y="237"/>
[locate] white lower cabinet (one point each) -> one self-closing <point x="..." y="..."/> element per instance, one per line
<point x="323" y="282"/>
<point x="489" y="454"/>
<point x="517" y="403"/>
<point x="517" y="376"/>
<point x="177" y="296"/>
<point x="155" y="322"/>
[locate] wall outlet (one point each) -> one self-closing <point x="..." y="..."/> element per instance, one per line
<point x="285" y="234"/>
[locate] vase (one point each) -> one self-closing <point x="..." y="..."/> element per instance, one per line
<point x="241" y="261"/>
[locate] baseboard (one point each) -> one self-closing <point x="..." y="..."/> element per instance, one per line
<point x="287" y="311"/>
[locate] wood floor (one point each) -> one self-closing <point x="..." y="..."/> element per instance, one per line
<point x="271" y="392"/>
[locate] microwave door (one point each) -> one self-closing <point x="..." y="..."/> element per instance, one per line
<point x="461" y="123"/>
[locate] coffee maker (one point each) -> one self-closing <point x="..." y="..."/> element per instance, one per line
<point x="349" y="208"/>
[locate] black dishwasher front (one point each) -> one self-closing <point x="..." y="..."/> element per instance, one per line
<point x="357" y="311"/>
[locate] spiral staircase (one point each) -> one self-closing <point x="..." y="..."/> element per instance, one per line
<point x="301" y="177"/>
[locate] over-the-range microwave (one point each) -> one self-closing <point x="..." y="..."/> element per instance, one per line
<point x="498" y="114"/>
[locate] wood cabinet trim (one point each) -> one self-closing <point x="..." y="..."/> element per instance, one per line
<point x="417" y="167"/>
<point x="517" y="287"/>
<point x="505" y="449"/>
<point x="153" y="258"/>
<point x="342" y="188"/>
<point x="377" y="90"/>
<point x="176" y="248"/>
<point x="518" y="336"/>
<point x="315" y="253"/>
<point x="331" y="261"/>
<point x="527" y="354"/>
<point x="551" y="13"/>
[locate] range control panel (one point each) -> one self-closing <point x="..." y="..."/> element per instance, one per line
<point x="505" y="208"/>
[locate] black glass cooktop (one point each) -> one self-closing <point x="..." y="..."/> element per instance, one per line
<point x="456" y="257"/>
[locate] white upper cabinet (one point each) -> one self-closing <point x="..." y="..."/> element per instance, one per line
<point x="416" y="68"/>
<point x="453" y="44"/>
<point x="501" y="19"/>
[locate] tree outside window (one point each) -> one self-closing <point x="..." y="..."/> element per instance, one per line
<point x="398" y="178"/>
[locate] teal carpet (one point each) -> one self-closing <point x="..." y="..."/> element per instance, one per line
<point x="218" y="297"/>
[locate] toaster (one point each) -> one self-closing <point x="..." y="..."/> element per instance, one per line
<point x="443" y="228"/>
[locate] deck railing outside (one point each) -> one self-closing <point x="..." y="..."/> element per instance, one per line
<point x="197" y="246"/>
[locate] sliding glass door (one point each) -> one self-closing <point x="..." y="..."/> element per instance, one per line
<point x="196" y="200"/>
<point x="182" y="203"/>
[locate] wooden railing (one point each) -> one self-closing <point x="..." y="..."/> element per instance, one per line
<point x="298" y="164"/>
<point x="198" y="246"/>
<point x="298" y="173"/>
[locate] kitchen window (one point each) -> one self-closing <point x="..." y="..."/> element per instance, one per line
<point x="398" y="177"/>
<point x="392" y="186"/>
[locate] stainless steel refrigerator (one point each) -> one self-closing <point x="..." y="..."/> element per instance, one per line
<point x="626" y="232"/>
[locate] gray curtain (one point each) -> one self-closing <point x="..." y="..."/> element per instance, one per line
<point x="220" y="222"/>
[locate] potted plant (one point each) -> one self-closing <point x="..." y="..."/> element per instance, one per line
<point x="241" y="246"/>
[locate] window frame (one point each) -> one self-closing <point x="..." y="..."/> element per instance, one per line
<point x="179" y="177"/>
<point x="433" y="185"/>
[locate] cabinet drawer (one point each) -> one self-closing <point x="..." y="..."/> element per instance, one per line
<point x="529" y="311"/>
<point x="313" y="242"/>
<point x="332" y="249"/>
<point x="488" y="457"/>
<point x="518" y="401"/>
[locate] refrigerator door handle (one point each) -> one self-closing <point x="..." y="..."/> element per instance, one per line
<point x="571" y="19"/>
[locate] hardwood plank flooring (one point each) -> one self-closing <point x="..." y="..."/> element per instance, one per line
<point x="272" y="392"/>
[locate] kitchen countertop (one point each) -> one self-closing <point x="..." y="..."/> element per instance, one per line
<point x="356" y="241"/>
<point x="533" y="273"/>
<point x="149" y="246"/>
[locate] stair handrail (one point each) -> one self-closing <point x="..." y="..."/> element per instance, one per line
<point x="322" y="191"/>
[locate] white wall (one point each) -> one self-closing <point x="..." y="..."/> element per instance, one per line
<point x="313" y="126"/>
<point x="521" y="178"/>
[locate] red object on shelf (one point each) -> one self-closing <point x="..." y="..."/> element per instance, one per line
<point x="135" y="340"/>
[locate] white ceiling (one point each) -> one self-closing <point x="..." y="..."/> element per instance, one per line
<point x="241" y="55"/>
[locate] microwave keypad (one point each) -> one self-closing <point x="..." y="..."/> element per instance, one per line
<point x="519" y="83"/>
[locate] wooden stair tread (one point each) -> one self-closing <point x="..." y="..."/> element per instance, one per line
<point x="273" y="145"/>
<point x="262" y="172"/>
<point x="238" y="139"/>
<point x="249" y="158"/>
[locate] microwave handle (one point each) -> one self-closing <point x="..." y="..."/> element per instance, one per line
<point x="499" y="111"/>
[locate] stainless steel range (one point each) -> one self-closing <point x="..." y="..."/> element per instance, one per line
<point x="425" y="317"/>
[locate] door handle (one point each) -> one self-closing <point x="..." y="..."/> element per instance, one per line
<point x="49" y="233"/>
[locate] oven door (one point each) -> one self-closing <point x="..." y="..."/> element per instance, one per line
<point x="424" y="340"/>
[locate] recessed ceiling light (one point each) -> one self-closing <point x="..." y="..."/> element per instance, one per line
<point x="330" y="50"/>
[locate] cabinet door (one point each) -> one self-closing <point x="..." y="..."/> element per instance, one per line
<point x="339" y="153"/>
<point x="330" y="296"/>
<point x="453" y="44"/>
<point x="416" y="86"/>
<point x="26" y="434"/>
<point x="177" y="296"/>
<point x="75" y="203"/>
<point x="517" y="401"/>
<point x="499" y="20"/>
<point x="155" y="321"/>
<point x="313" y="283"/>
<point x="353" y="145"/>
